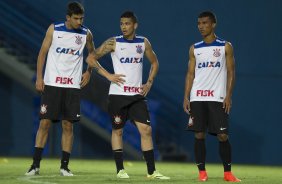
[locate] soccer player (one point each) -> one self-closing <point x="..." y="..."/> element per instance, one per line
<point x="127" y="100"/>
<point x="60" y="90"/>
<point x="208" y="91"/>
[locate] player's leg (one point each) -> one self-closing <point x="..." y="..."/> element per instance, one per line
<point x="40" y="141"/>
<point x="67" y="141"/>
<point x="117" y="147"/>
<point x="147" y="145"/>
<point x="118" y="113"/>
<point x="225" y="155"/>
<point x="199" y="126"/>
<point x="219" y="126"/>
<point x="200" y="155"/>
<point x="49" y="111"/>
<point x="138" y="112"/>
<point x="145" y="131"/>
<point x="70" y="114"/>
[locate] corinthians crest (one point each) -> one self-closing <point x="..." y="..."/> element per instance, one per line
<point x="139" y="49"/>
<point x="117" y="119"/>
<point x="216" y="52"/>
<point x="78" y="40"/>
<point x="43" y="109"/>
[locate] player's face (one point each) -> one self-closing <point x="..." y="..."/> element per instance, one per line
<point x="205" y="26"/>
<point x="75" y="20"/>
<point x="127" y="27"/>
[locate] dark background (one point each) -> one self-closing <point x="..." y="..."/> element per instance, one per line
<point x="254" y="29"/>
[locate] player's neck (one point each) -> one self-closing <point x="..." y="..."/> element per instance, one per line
<point x="129" y="37"/>
<point x="68" y="25"/>
<point x="209" y="38"/>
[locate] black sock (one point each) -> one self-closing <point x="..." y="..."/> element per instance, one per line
<point x="200" y="154"/>
<point x="118" y="156"/>
<point x="65" y="160"/>
<point x="150" y="161"/>
<point x="37" y="157"/>
<point x="225" y="154"/>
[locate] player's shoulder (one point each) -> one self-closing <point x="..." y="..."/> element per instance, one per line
<point x="61" y="26"/>
<point x="223" y="42"/>
<point x="217" y="42"/>
<point x="58" y="25"/>
<point x="136" y="39"/>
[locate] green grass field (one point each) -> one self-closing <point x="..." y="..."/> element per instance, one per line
<point x="103" y="171"/>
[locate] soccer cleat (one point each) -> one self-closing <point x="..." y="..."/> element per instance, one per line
<point x="122" y="174"/>
<point x="203" y="176"/>
<point x="65" y="172"/>
<point x="157" y="175"/>
<point x="32" y="171"/>
<point x="228" y="176"/>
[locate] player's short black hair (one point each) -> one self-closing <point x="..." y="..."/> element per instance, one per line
<point x="75" y="8"/>
<point x="209" y="14"/>
<point x="129" y="14"/>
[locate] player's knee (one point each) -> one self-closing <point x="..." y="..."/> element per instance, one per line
<point x="222" y="137"/>
<point x="67" y="127"/>
<point x="44" y="126"/>
<point x="146" y="130"/>
<point x="200" y="135"/>
<point x="117" y="132"/>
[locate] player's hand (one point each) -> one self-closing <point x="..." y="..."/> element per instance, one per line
<point x="116" y="78"/>
<point x="146" y="88"/>
<point x="186" y="105"/>
<point x="39" y="85"/>
<point x="85" y="78"/>
<point x="227" y="103"/>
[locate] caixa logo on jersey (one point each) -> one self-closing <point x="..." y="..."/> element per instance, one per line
<point x="61" y="50"/>
<point x="209" y="64"/>
<point x="131" y="60"/>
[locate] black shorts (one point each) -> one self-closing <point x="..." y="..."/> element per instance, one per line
<point x="60" y="104"/>
<point x="123" y="108"/>
<point x="208" y="116"/>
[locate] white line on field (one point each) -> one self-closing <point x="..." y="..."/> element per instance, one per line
<point x="32" y="179"/>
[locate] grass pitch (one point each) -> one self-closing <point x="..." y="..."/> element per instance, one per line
<point x="103" y="171"/>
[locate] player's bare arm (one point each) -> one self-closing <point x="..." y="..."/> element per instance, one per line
<point x="152" y="57"/>
<point x="90" y="47"/>
<point x="230" y="64"/>
<point x="107" y="47"/>
<point x="189" y="79"/>
<point x="42" y="56"/>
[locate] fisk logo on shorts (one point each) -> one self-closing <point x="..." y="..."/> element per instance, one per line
<point x="205" y="93"/>
<point x="61" y="50"/>
<point x="64" y="80"/>
<point x="132" y="89"/>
